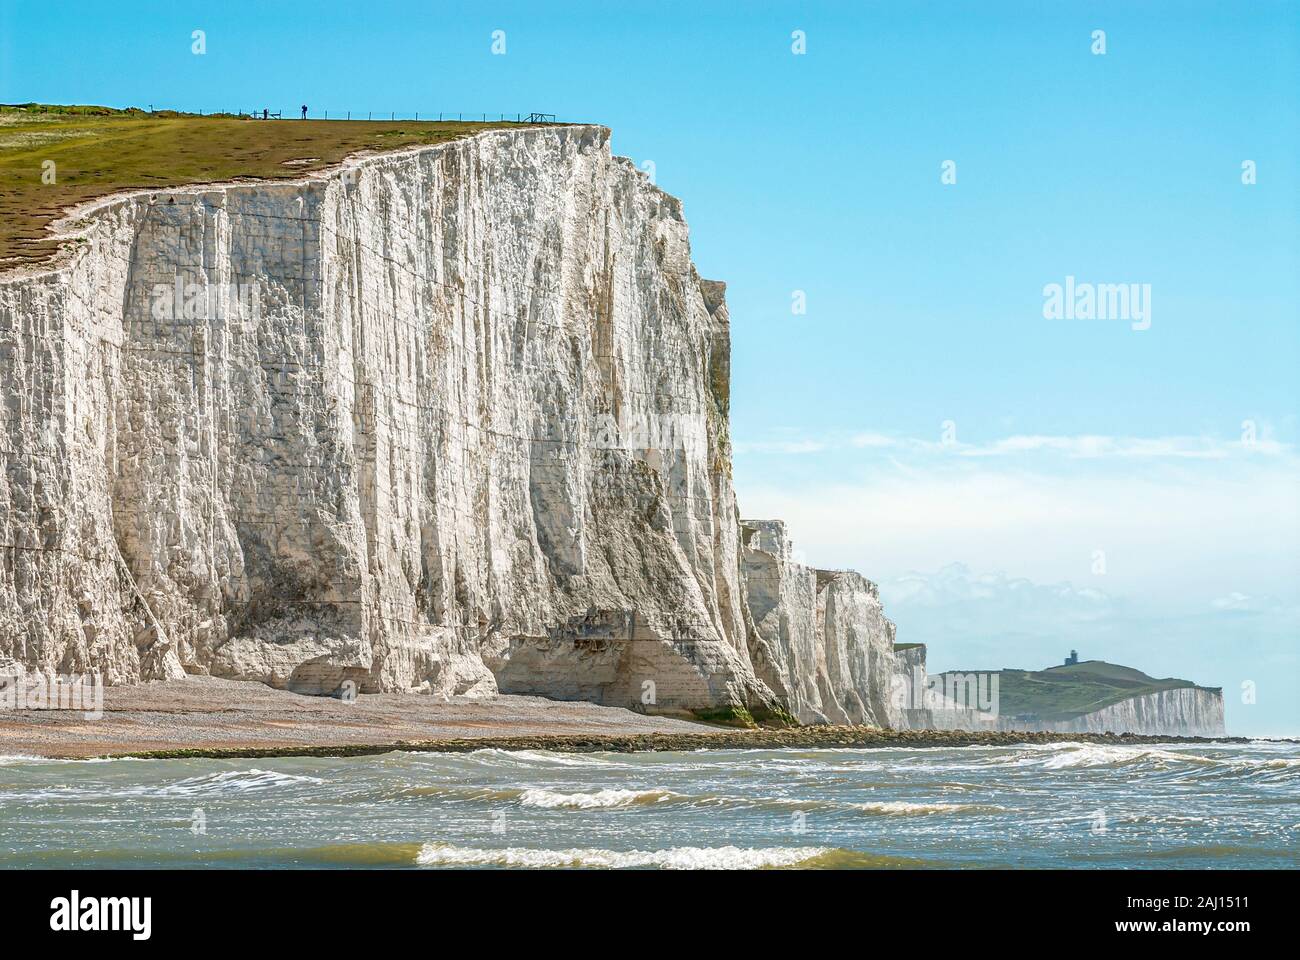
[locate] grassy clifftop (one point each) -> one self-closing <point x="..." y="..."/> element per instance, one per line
<point x="54" y="157"/>
<point x="1066" y="692"/>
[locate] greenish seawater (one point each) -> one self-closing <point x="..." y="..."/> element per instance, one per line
<point x="1071" y="805"/>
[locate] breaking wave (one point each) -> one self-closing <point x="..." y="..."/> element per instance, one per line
<point x="538" y="758"/>
<point x="234" y="781"/>
<point x="674" y="858"/>
<point x="215" y="785"/>
<point x="1067" y="756"/>
<point x="615" y="798"/>
<point x="550" y="799"/>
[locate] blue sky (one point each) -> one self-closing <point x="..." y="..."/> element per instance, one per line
<point x="820" y="173"/>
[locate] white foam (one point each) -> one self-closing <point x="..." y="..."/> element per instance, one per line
<point x="13" y="759"/>
<point x="1065" y="755"/>
<point x="543" y="758"/>
<point x="674" y="858"/>
<point x="234" y="781"/>
<point x="550" y="799"/>
<point x="905" y="808"/>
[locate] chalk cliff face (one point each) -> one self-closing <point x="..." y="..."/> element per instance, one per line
<point x="824" y="645"/>
<point x="1185" y="712"/>
<point x="452" y="419"/>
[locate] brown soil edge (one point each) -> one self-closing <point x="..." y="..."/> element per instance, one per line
<point x="74" y="219"/>
<point x="805" y="737"/>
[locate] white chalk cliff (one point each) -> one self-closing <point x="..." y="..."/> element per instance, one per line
<point x="823" y="645"/>
<point x="1185" y="712"/>
<point x="961" y="702"/>
<point x="451" y="419"/>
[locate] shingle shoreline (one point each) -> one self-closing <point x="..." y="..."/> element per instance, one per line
<point x="801" y="737"/>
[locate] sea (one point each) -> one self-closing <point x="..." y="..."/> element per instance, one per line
<point x="1048" y="805"/>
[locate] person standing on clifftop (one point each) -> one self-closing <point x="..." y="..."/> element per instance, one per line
<point x="304" y="111"/>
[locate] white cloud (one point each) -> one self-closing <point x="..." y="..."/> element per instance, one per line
<point x="1076" y="446"/>
<point x="1201" y="528"/>
<point x="1233" y="601"/>
<point x="789" y="447"/>
<point x="1013" y="600"/>
<point x="1245" y="603"/>
<point x="879" y="440"/>
<point x="1091" y="446"/>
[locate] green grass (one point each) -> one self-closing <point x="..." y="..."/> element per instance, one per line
<point x="732" y="715"/>
<point x="1063" y="693"/>
<point x="98" y="151"/>
<point x="773" y="717"/>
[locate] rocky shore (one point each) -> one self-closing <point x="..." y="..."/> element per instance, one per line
<point x="723" y="740"/>
<point x="801" y="737"/>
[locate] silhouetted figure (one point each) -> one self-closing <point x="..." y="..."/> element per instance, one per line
<point x="304" y="111"/>
<point x="265" y="113"/>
